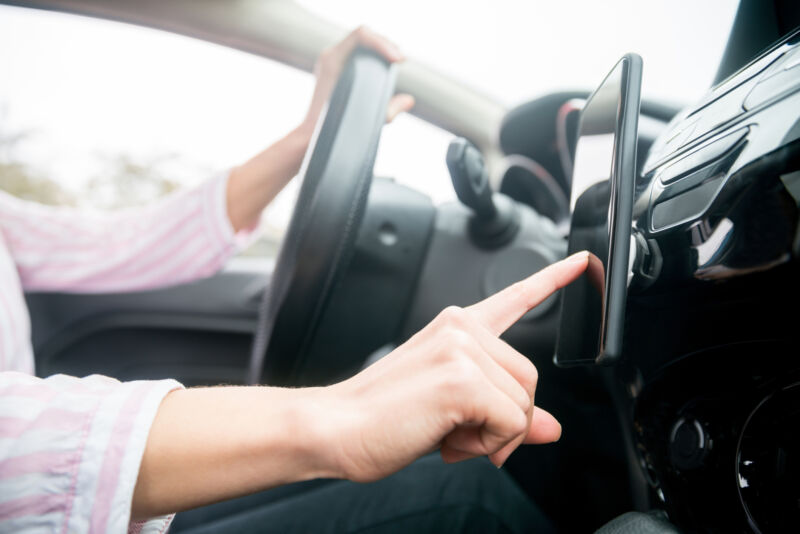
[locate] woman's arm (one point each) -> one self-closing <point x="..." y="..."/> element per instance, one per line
<point x="183" y="237"/>
<point x="454" y="386"/>
<point x="255" y="183"/>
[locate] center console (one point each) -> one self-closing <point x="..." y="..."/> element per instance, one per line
<point x="708" y="368"/>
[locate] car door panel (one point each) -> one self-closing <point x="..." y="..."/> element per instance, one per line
<point x="198" y="333"/>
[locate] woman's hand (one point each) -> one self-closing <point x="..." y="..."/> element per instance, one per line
<point x="255" y="183"/>
<point x="331" y="62"/>
<point x="454" y="385"/>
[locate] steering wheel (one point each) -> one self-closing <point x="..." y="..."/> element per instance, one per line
<point x="319" y="243"/>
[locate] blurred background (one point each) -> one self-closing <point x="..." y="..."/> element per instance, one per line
<point x="102" y="115"/>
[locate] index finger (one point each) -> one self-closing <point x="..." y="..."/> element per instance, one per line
<point x="504" y="308"/>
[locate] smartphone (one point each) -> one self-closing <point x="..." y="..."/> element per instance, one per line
<point x="592" y="318"/>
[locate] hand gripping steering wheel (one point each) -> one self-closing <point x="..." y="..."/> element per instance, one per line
<point x="319" y="243"/>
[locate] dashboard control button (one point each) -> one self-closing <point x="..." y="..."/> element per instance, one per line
<point x="688" y="444"/>
<point x="686" y="206"/>
<point x="779" y="84"/>
<point x="704" y="155"/>
<point x="745" y="75"/>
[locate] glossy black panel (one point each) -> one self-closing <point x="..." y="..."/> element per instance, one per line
<point x="690" y="420"/>
<point x="733" y="216"/>
<point x="711" y="337"/>
<point x="720" y="109"/>
<point x="768" y="463"/>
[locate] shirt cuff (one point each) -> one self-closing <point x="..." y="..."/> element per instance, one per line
<point x="113" y="454"/>
<point x="157" y="525"/>
<point x="219" y="222"/>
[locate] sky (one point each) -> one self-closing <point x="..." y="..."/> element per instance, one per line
<point x="86" y="90"/>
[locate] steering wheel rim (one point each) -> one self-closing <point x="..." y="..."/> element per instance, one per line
<point x="319" y="242"/>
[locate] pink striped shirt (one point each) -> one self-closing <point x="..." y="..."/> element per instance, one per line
<point x="70" y="447"/>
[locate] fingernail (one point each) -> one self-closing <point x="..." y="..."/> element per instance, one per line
<point x="578" y="257"/>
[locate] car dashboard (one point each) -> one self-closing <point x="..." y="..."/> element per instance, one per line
<point x="710" y="377"/>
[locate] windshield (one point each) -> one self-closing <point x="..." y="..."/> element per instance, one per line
<point x="100" y="114"/>
<point x="513" y="50"/>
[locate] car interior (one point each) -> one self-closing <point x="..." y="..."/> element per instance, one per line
<point x="674" y="374"/>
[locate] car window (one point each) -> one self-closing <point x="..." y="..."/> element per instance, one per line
<point x="100" y="114"/>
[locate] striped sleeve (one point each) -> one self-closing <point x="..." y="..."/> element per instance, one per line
<point x="183" y="237"/>
<point x="70" y="451"/>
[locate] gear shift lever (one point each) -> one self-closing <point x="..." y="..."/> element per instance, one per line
<point x="496" y="220"/>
